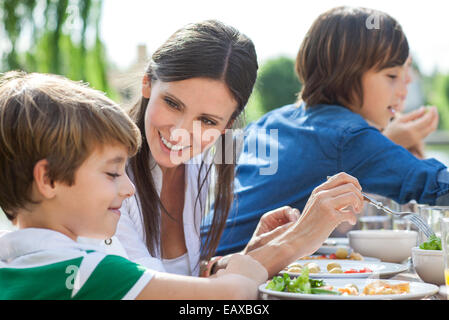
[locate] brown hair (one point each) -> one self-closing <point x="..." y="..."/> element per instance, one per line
<point x="50" y="117"/>
<point x="341" y="45"/>
<point x="208" y="49"/>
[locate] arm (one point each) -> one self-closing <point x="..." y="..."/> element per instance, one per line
<point x="333" y="202"/>
<point x="240" y="280"/>
<point x="389" y="170"/>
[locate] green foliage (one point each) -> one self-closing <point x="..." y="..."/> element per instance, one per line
<point x="276" y="86"/>
<point x="60" y="44"/>
<point x="436" y="88"/>
<point x="277" y="83"/>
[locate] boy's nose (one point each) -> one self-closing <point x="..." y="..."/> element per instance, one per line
<point x="127" y="188"/>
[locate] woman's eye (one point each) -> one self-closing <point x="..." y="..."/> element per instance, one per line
<point x="208" y="122"/>
<point x="171" y="103"/>
<point x="392" y="76"/>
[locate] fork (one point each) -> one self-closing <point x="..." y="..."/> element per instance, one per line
<point x="417" y="220"/>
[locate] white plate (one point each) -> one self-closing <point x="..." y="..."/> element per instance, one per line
<point x="380" y="269"/>
<point x="418" y="290"/>
<point x="332" y="244"/>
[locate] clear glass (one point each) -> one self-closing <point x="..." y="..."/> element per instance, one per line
<point x="444" y="224"/>
<point x="424" y="211"/>
<point x="402" y="223"/>
<point x="374" y="219"/>
<point x="436" y="213"/>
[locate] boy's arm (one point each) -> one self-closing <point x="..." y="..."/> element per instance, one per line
<point x="240" y="280"/>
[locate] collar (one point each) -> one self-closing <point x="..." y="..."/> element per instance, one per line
<point x="15" y="244"/>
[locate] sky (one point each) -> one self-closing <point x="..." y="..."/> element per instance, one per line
<point x="276" y="27"/>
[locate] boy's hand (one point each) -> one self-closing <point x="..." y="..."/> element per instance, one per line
<point x="411" y="129"/>
<point x="246" y="266"/>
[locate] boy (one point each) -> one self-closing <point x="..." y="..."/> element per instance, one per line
<point x="63" y="152"/>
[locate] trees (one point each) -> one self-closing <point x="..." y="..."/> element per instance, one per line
<point x="54" y="36"/>
<point x="276" y="85"/>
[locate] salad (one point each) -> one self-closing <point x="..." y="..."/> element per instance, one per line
<point x="433" y="243"/>
<point x="300" y="284"/>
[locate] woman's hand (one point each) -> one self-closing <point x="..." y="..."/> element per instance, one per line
<point x="337" y="200"/>
<point x="411" y="129"/>
<point x="271" y="225"/>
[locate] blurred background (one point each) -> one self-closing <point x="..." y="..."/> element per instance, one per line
<point x="107" y="44"/>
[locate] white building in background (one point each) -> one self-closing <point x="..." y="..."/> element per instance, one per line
<point x="415" y="97"/>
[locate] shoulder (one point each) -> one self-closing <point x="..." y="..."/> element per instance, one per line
<point x="336" y="116"/>
<point x="109" y="277"/>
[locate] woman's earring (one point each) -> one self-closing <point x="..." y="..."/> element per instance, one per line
<point x="108" y="242"/>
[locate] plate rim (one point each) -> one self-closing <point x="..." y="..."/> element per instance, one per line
<point x="431" y="290"/>
<point x="399" y="268"/>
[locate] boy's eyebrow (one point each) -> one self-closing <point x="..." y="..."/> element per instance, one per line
<point x="183" y="105"/>
<point x="118" y="159"/>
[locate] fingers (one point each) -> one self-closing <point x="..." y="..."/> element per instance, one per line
<point x="413" y="115"/>
<point x="337" y="180"/>
<point x="427" y="123"/>
<point x="282" y="215"/>
<point x="344" y="196"/>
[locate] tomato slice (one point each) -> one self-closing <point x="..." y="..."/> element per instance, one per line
<point x="351" y="271"/>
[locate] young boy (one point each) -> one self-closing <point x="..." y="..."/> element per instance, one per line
<point x="63" y="152"/>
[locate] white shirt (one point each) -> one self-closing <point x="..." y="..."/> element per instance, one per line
<point x="130" y="229"/>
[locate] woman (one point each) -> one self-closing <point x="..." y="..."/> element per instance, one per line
<point x="195" y="87"/>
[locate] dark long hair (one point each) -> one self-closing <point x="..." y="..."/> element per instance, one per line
<point x="209" y="49"/>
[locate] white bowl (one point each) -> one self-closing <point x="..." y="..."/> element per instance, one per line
<point x="429" y="265"/>
<point x="387" y="245"/>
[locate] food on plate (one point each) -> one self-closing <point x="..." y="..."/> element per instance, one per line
<point x="433" y="243"/>
<point x="332" y="267"/>
<point x="336" y="270"/>
<point x="349" y="289"/>
<point x="303" y="284"/>
<point x="382" y="287"/>
<point x="295" y="268"/>
<point x="313" y="267"/>
<point x="355" y="256"/>
<point x="352" y="256"/>
<point x="363" y="270"/>
<point x="341" y="253"/>
<point x="300" y="284"/>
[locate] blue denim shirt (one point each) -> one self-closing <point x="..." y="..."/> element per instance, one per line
<point x="291" y="150"/>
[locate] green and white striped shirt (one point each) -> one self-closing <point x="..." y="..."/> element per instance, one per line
<point x="45" y="264"/>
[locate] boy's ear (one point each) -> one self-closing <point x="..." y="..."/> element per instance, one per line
<point x="146" y="87"/>
<point x="43" y="183"/>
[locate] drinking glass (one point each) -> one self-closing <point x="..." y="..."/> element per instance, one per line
<point x="444" y="224"/>
<point x="436" y="213"/>
<point x="373" y="218"/>
<point x="424" y="211"/>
